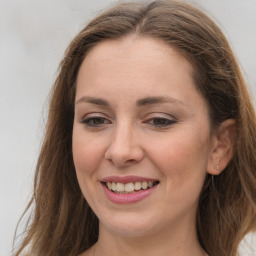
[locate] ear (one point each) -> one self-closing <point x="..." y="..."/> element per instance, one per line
<point x="222" y="147"/>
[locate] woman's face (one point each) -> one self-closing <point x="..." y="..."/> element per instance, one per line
<point x="142" y="129"/>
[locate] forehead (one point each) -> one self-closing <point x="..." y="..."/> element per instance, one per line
<point x="144" y="46"/>
<point x="136" y="67"/>
<point x="135" y="55"/>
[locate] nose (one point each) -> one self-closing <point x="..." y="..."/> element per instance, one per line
<point x="124" y="148"/>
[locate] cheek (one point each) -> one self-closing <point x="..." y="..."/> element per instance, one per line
<point x="87" y="153"/>
<point x="182" y="160"/>
<point x="183" y="168"/>
<point x="87" y="156"/>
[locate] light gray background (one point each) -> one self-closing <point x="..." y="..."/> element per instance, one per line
<point x="33" y="37"/>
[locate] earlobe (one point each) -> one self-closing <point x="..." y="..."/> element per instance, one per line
<point x="222" y="147"/>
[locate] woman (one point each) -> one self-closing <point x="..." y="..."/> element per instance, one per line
<point x="150" y="141"/>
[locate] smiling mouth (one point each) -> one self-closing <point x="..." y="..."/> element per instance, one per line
<point x="129" y="188"/>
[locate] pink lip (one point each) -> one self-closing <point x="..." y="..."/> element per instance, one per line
<point x="126" y="179"/>
<point x="127" y="198"/>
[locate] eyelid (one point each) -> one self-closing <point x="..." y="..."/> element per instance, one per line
<point x="160" y="115"/>
<point x="170" y="120"/>
<point x="93" y="116"/>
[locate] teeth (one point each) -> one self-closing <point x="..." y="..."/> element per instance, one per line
<point x="137" y="185"/>
<point x="129" y="187"/>
<point x="144" y="185"/>
<point x="109" y="185"/>
<point x="113" y="185"/>
<point x="120" y="187"/>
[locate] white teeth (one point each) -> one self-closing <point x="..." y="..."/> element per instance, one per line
<point x="144" y="185"/>
<point x="150" y="184"/>
<point x="120" y="187"/>
<point x="113" y="186"/>
<point x="137" y="185"/>
<point x="109" y="185"/>
<point x="129" y="187"/>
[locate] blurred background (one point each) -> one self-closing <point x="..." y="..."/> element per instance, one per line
<point x="33" y="37"/>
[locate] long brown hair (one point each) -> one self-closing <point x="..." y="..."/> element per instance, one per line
<point x="62" y="223"/>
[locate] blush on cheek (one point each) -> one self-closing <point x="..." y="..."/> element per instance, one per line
<point x="87" y="157"/>
<point x="83" y="163"/>
<point x="79" y="149"/>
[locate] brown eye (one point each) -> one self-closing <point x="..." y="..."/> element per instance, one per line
<point x="95" y="121"/>
<point x="161" y="122"/>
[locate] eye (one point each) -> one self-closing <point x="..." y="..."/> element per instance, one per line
<point x="95" y="121"/>
<point x="160" y="121"/>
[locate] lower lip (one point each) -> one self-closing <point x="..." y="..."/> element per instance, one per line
<point x="127" y="198"/>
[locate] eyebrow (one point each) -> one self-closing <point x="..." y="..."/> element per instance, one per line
<point x="140" y="102"/>
<point x="93" y="100"/>
<point x="155" y="100"/>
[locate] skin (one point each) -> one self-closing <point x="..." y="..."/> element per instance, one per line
<point x="168" y="140"/>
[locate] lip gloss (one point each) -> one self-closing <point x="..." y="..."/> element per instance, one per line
<point x="127" y="198"/>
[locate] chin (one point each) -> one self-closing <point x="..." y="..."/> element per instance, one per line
<point x="130" y="225"/>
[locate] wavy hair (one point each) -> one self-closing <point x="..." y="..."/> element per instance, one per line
<point x="62" y="222"/>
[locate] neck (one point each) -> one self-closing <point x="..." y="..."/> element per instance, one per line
<point x="170" y="241"/>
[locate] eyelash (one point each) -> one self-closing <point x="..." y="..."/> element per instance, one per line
<point x="88" y="121"/>
<point x="164" y="122"/>
<point x="157" y="122"/>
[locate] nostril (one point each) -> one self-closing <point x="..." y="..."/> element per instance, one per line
<point x="124" y="150"/>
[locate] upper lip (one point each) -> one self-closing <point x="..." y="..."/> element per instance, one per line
<point x="126" y="179"/>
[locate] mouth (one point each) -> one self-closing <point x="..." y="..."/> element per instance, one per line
<point x="130" y="187"/>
